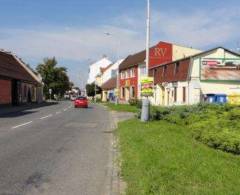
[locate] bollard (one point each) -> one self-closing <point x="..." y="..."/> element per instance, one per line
<point x="145" y="110"/>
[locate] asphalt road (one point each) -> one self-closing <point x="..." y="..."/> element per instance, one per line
<point x="54" y="150"/>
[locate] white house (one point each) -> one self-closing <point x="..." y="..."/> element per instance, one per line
<point x="108" y="80"/>
<point x="94" y="69"/>
<point x="110" y="71"/>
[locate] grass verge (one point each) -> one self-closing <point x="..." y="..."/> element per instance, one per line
<point x="163" y="158"/>
<point x="122" y="107"/>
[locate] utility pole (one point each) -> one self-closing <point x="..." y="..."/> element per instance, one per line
<point x="145" y="114"/>
<point x="148" y="36"/>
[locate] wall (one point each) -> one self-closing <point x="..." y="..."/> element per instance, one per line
<point x="168" y="74"/>
<point x="180" y="52"/>
<point x="94" y="69"/>
<point x="5" y="91"/>
<point x="128" y="82"/>
<point x="108" y="73"/>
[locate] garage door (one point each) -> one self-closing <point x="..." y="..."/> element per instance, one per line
<point x="5" y="91"/>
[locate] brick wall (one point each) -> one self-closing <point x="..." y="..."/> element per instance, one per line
<point x="5" y="91"/>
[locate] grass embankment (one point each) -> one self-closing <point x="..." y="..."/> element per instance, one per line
<point x="122" y="107"/>
<point x="165" y="156"/>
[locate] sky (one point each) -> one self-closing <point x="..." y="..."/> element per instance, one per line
<point x="74" y="31"/>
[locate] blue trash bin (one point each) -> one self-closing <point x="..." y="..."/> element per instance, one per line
<point x="211" y="98"/>
<point x="221" y="98"/>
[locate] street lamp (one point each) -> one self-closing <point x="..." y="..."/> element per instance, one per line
<point x="145" y="102"/>
<point x="117" y="79"/>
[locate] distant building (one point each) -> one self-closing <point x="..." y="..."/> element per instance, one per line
<point x="108" y="81"/>
<point x="94" y="69"/>
<point x="19" y="84"/>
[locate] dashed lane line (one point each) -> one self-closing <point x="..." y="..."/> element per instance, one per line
<point x="50" y="115"/>
<point x="21" y="125"/>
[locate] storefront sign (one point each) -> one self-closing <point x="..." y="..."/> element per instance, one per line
<point x="147" y="86"/>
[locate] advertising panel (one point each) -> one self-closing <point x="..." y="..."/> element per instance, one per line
<point x="222" y="69"/>
<point x="147" y="86"/>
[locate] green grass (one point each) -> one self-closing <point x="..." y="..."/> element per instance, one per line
<point x="163" y="158"/>
<point x="122" y="107"/>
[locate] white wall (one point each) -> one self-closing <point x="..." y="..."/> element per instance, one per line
<point x="108" y="73"/>
<point x="94" y="69"/>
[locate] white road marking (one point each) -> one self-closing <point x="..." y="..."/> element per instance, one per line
<point x="58" y="113"/>
<point x="50" y="115"/>
<point x="65" y="109"/>
<point x="24" y="124"/>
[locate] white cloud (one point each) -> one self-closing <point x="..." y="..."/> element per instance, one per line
<point x="202" y="29"/>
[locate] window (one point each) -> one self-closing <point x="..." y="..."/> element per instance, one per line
<point x="143" y="71"/>
<point x="175" y="94"/>
<point x="132" y="91"/>
<point x="123" y="75"/>
<point x="164" y="70"/>
<point x="184" y="94"/>
<point x="126" y="74"/>
<point x="177" y="67"/>
<point x="133" y="72"/>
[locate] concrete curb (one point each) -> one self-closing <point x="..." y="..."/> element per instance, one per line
<point x="114" y="184"/>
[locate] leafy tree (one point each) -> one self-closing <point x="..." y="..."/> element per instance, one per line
<point x="90" y="88"/>
<point x="54" y="77"/>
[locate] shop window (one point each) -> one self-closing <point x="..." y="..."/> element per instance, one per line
<point x="175" y="94"/>
<point x="123" y="92"/>
<point x="25" y="91"/>
<point x="184" y="94"/>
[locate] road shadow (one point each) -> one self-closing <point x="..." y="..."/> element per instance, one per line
<point x="16" y="111"/>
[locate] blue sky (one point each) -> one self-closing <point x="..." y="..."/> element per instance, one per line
<point x="73" y="30"/>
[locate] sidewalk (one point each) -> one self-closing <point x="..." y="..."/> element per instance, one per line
<point x="14" y="109"/>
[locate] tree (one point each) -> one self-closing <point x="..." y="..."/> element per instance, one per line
<point x="90" y="88"/>
<point x="54" y="77"/>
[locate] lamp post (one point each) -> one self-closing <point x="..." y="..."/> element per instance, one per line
<point x="117" y="79"/>
<point x="145" y="102"/>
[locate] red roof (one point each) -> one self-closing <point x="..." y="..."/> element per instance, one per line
<point x="110" y="84"/>
<point x="11" y="67"/>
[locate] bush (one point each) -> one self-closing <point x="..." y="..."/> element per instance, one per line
<point x="135" y="102"/>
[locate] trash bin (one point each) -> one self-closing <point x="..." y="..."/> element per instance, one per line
<point x="211" y="98"/>
<point x="234" y="99"/>
<point x="221" y="98"/>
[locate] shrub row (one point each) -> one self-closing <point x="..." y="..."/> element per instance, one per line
<point x="217" y="126"/>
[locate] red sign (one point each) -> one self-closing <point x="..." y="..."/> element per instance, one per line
<point x="161" y="53"/>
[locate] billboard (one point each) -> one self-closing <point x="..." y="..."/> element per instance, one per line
<point x="222" y="69"/>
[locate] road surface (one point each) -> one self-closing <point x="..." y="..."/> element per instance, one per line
<point x="54" y="150"/>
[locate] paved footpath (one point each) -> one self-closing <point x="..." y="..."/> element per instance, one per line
<point x="55" y="150"/>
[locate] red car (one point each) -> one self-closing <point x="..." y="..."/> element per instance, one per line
<point x="81" y="102"/>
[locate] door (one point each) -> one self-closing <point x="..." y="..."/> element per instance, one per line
<point x="15" y="92"/>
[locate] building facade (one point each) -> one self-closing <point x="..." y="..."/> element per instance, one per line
<point x="18" y="83"/>
<point x="189" y="80"/>
<point x="95" y="69"/>
<point x="133" y="68"/>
